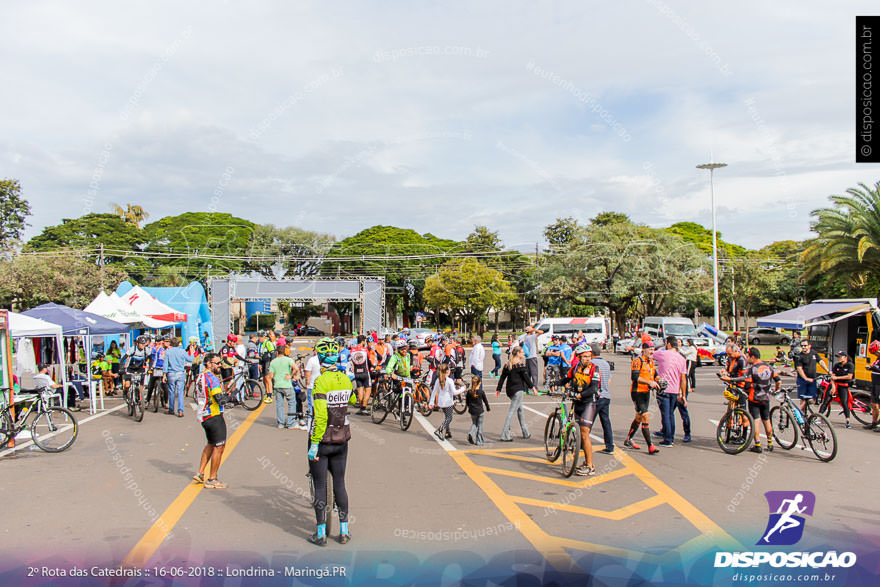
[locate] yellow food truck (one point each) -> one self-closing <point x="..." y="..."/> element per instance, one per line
<point x="835" y="325"/>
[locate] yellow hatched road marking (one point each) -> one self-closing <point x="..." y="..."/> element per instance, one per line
<point x="617" y="515"/>
<point x="149" y="544"/>
<point x="588" y="482"/>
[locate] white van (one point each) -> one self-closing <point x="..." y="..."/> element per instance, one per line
<point x="659" y="327"/>
<point x="595" y="329"/>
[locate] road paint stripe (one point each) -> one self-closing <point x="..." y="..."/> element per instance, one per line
<point x="495" y="450"/>
<point x="79" y="423"/>
<point x="544" y="543"/>
<point x="587" y="482"/>
<point x="697" y="518"/>
<point x="429" y="428"/>
<point x="605" y="549"/>
<point x="616" y="515"/>
<point x="152" y="540"/>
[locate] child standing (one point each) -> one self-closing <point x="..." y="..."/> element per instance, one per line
<point x="441" y="397"/>
<point x="476" y="398"/>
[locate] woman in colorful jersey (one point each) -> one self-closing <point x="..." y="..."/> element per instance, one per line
<point x="583" y="380"/>
<point x="328" y="438"/>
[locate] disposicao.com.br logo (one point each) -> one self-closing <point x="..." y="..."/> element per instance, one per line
<point x="785" y="527"/>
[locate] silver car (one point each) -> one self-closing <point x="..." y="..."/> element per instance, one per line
<point x="768" y="336"/>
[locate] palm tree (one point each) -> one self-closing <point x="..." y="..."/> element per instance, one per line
<point x="134" y="214"/>
<point x="847" y="245"/>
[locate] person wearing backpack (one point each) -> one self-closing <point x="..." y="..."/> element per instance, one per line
<point x="758" y="378"/>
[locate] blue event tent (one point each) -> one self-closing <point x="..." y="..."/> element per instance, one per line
<point x="191" y="300"/>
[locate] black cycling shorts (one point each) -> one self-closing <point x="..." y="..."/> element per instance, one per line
<point x="585" y="413"/>
<point x="640" y="401"/>
<point x="759" y="410"/>
<point x="457" y="373"/>
<point x="875" y="393"/>
<point x="362" y="379"/>
<point x="215" y="430"/>
<point x="226" y="373"/>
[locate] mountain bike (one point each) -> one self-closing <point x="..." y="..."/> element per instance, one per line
<point x="53" y="429"/>
<point x="790" y="425"/>
<point x="379" y="401"/>
<point x="736" y="427"/>
<point x="329" y="504"/>
<point x="157" y="394"/>
<point x="562" y="436"/>
<point x="860" y="401"/>
<point x="388" y="400"/>
<point x="134" y="395"/>
<point x="404" y="406"/>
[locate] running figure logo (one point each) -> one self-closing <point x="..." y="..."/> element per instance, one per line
<point x="786" y="524"/>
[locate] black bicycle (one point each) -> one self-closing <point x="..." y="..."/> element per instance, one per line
<point x="157" y="392"/>
<point x="790" y="425"/>
<point x="134" y="395"/>
<point x="736" y="427"/>
<point x="248" y="393"/>
<point x="53" y="428"/>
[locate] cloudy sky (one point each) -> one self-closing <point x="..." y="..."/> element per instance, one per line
<point x="335" y="116"/>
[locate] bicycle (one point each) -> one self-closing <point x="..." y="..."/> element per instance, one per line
<point x="134" y="395"/>
<point x="459" y="399"/>
<point x="398" y="403"/>
<point x="249" y="393"/>
<point x="54" y="429"/>
<point x="816" y="429"/>
<point x="422" y="395"/>
<point x="379" y="401"/>
<point x="860" y="408"/>
<point x="157" y="393"/>
<point x="329" y="501"/>
<point x="736" y="427"/>
<point x="562" y="435"/>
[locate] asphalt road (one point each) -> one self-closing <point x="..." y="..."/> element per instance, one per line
<point x="123" y="493"/>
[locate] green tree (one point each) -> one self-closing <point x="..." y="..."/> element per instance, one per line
<point x="702" y="238"/>
<point x="847" y="243"/>
<point x="469" y="289"/>
<point x="482" y="240"/>
<point x="561" y="232"/>
<point x="609" y="218"/>
<point x="14" y="209"/>
<point x="296" y="253"/>
<point x="132" y="214"/>
<point x="627" y="268"/>
<point x="30" y="280"/>
<point x="88" y="233"/>
<point x="199" y="244"/>
<point x="388" y="251"/>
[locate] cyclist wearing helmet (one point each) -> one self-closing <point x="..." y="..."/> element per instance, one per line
<point x="136" y="358"/>
<point x="400" y="364"/>
<point x="194" y="351"/>
<point x="329" y="434"/>
<point x="583" y="381"/>
<point x="416" y="358"/>
<point x="359" y="363"/>
<point x="344" y="354"/>
<point x="268" y="351"/>
<point x="228" y="358"/>
<point x="874" y="368"/>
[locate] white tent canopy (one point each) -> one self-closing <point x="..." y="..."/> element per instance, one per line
<point x="112" y="307"/>
<point x="149" y="307"/>
<point x="26" y="326"/>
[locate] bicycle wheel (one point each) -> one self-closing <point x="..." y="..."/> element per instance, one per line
<point x="785" y="427"/>
<point x="571" y="449"/>
<point x="138" y="404"/>
<point x="734" y="432"/>
<point x="861" y="409"/>
<point x="153" y="400"/>
<point x="424" y="396"/>
<point x="551" y="436"/>
<point x="406" y="411"/>
<point x="459" y="403"/>
<point x="54" y="429"/>
<point x="821" y="437"/>
<point x="129" y="402"/>
<point x="254" y="395"/>
<point x="329" y="504"/>
<point x="7" y="430"/>
<point x="378" y="407"/>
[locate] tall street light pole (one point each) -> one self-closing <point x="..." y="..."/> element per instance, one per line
<point x="712" y="167"/>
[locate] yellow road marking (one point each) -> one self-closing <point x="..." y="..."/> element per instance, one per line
<point x="147" y="546"/>
<point x="604" y="549"/>
<point x="543" y="542"/>
<point x="616" y="515"/>
<point x="588" y="482"/>
<point x="699" y="520"/>
<point x="494" y="450"/>
<point x="515" y="457"/>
